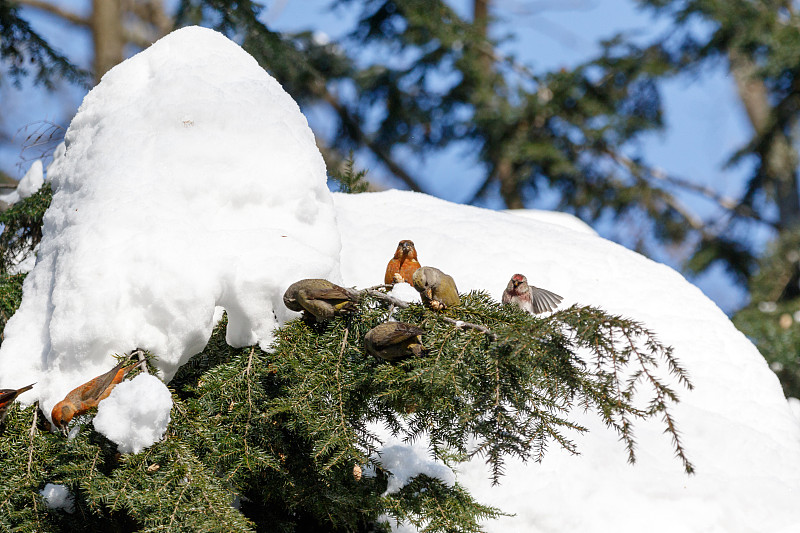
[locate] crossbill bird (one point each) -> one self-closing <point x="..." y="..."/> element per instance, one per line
<point x="438" y="290"/>
<point x="529" y="298"/>
<point x="403" y="265"/>
<point x="320" y="298"/>
<point x="395" y="341"/>
<point x="88" y="395"/>
<point x="7" y="397"/>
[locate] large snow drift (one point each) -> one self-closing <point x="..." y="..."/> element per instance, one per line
<point x="190" y="180"/>
<point x="737" y="428"/>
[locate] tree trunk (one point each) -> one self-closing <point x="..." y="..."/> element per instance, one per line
<point x="503" y="167"/>
<point x="108" y="35"/>
<point x="779" y="160"/>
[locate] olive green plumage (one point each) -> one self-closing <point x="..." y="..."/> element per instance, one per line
<point x="438" y="290"/>
<point x="395" y="341"/>
<point x="320" y="298"/>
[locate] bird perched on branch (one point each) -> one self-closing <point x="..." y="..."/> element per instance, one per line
<point x="7" y="397"/>
<point x="395" y="341"/>
<point x="529" y="298"/>
<point x="403" y="265"/>
<point x="320" y="298"/>
<point x="438" y="290"/>
<point x="88" y="395"/>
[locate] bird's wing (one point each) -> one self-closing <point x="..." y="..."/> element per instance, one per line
<point x="333" y="293"/>
<point x="400" y="332"/>
<point x="392" y="268"/>
<point x="544" y="300"/>
<point x="99" y="384"/>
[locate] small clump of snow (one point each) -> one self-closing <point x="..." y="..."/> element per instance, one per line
<point x="189" y="181"/>
<point x="136" y="413"/>
<point x="31" y="182"/>
<point x="406" y="461"/>
<point x="58" y="497"/>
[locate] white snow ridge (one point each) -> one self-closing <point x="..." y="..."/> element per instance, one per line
<point x="191" y="180"/>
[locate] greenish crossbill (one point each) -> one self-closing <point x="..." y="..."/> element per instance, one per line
<point x="438" y="290"/>
<point x="320" y="298"/>
<point x="395" y="341"/>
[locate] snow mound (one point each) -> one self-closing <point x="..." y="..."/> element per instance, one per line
<point x="31" y="182"/>
<point x="736" y="426"/>
<point x="58" y="497"/>
<point x="190" y="180"/>
<point x="128" y="421"/>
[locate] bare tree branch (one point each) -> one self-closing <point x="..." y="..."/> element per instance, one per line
<point x="380" y="152"/>
<point x="729" y="204"/>
<point x="56" y="10"/>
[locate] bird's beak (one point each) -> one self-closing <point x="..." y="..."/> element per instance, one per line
<point x="406" y="247"/>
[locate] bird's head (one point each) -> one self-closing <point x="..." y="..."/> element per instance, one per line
<point x="405" y="248"/>
<point x="517" y="281"/>
<point x="62" y="415"/>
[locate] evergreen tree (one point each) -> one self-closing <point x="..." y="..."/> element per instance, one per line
<point x="285" y="439"/>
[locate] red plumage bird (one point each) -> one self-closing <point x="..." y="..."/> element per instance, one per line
<point x="7" y="397"/>
<point x="88" y="395"/>
<point x="403" y="265"/>
<point x="529" y="298"/>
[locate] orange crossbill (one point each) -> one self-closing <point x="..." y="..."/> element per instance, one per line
<point x="88" y="395"/>
<point x="7" y="397"/>
<point x="403" y="265"/>
<point x="529" y="298"/>
<point x="320" y="298"/>
<point x="438" y="290"/>
<point x="395" y="341"/>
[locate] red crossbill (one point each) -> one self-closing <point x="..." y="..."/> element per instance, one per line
<point x="320" y="298"/>
<point x="88" y="395"/>
<point x="529" y="298"/>
<point x="7" y="397"/>
<point x="403" y="265"/>
<point x="395" y="341"/>
<point x="438" y="290"/>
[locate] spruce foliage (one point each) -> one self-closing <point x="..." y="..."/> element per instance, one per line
<point x="22" y="227"/>
<point x="280" y="432"/>
<point x="287" y="439"/>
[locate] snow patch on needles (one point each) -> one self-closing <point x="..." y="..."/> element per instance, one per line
<point x="406" y="462"/>
<point x="58" y="497"/>
<point x="190" y="180"/>
<point x="136" y="413"/>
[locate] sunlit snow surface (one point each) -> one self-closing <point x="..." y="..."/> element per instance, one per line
<point x="191" y="182"/>
<point x="736" y="426"/>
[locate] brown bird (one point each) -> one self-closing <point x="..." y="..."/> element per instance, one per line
<point x="88" y="395"/>
<point x="438" y="290"/>
<point x="529" y="298"/>
<point x="403" y="265"/>
<point x="7" y="397"/>
<point x="395" y="341"/>
<point x="320" y="298"/>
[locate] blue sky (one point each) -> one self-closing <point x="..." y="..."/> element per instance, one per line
<point x="704" y="120"/>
